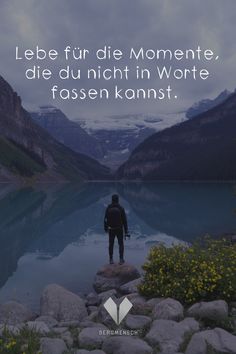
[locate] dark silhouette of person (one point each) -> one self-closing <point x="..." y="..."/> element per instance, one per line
<point x="115" y="223"/>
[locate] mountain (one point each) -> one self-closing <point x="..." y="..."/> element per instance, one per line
<point x="203" y="148"/>
<point x="29" y="218"/>
<point x="68" y="132"/>
<point x="120" y="134"/>
<point x="207" y="104"/>
<point x="30" y="152"/>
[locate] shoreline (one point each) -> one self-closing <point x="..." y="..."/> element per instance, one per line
<point x="69" y="323"/>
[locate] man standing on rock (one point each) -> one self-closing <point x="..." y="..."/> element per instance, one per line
<point x="115" y="223"/>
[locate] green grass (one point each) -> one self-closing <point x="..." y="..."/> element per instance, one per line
<point x="19" y="160"/>
<point x="67" y="165"/>
<point x="227" y="324"/>
<point x="27" y="341"/>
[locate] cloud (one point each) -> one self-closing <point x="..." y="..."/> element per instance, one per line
<point x="122" y="24"/>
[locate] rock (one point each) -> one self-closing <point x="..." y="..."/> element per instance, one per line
<point x="140" y="305"/>
<point x="168" y="309"/>
<point x="93" y="299"/>
<point x="137" y="321"/>
<point x="233" y="312"/>
<point x="85" y="324"/>
<point x="84" y="351"/>
<point x="92" y="309"/>
<point x="52" y="346"/>
<point x="131" y="286"/>
<point x="216" y="340"/>
<point x="170" y="352"/>
<point x="92" y="317"/>
<point x="169" y="335"/>
<point x="39" y="327"/>
<point x="60" y="330"/>
<point x="106" y="294"/>
<point x="67" y="337"/>
<point x="154" y="301"/>
<point x="62" y="304"/>
<point x="213" y="310"/>
<point x="90" y="338"/>
<point x="124" y="345"/>
<point x="104" y="317"/>
<point x="190" y="324"/>
<point x="234" y="322"/>
<point x="73" y="324"/>
<point x="113" y="276"/>
<point x="12" y="329"/>
<point x="48" y="320"/>
<point x="233" y="238"/>
<point x="82" y="295"/>
<point x="13" y="313"/>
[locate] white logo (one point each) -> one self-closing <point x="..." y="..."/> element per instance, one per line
<point x="118" y="312"/>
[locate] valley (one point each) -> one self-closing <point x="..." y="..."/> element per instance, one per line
<point x="30" y="154"/>
<point x="54" y="147"/>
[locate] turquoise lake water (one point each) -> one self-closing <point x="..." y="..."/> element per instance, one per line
<point x="54" y="233"/>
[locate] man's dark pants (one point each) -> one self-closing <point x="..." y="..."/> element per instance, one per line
<point x="120" y="236"/>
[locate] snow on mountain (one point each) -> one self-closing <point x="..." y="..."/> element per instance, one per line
<point x="132" y="122"/>
<point x="120" y="134"/>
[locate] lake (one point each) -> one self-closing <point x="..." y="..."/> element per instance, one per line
<point x="54" y="233"/>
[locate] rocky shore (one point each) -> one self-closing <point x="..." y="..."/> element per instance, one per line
<point x="69" y="323"/>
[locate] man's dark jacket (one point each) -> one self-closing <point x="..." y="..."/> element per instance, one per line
<point x="115" y="218"/>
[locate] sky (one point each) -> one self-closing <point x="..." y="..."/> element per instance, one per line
<point x="167" y="24"/>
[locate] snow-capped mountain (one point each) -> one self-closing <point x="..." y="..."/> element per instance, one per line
<point x="131" y="121"/>
<point x="30" y="153"/>
<point x="67" y="132"/>
<point x="206" y="104"/>
<point x="120" y="134"/>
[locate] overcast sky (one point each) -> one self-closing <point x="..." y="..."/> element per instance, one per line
<point x="122" y="24"/>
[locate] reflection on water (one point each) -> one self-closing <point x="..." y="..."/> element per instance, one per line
<point x="55" y="233"/>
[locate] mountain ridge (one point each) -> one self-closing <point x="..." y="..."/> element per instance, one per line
<point x="202" y="148"/>
<point x="30" y="152"/>
<point x="206" y="104"/>
<point x="67" y="131"/>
